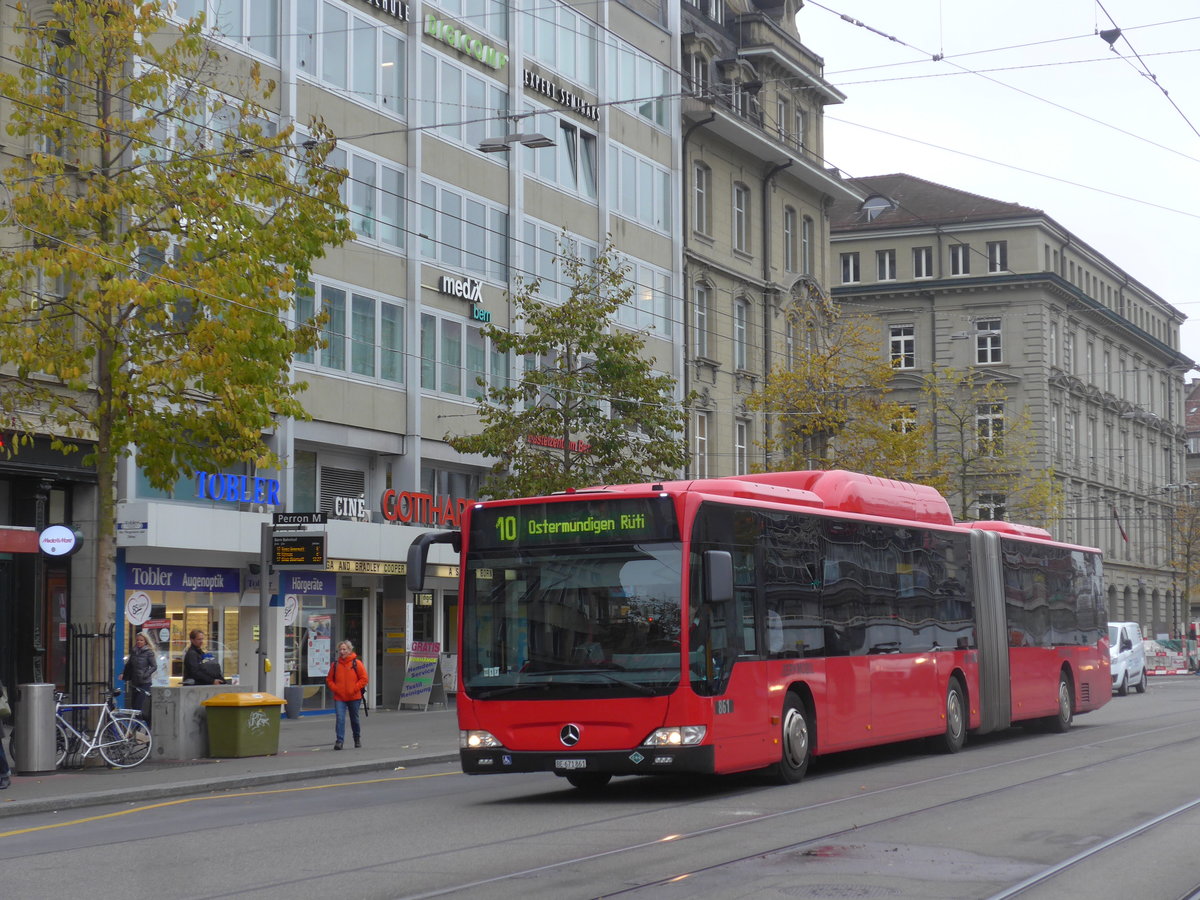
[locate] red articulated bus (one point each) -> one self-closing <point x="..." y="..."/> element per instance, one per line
<point x="753" y="622"/>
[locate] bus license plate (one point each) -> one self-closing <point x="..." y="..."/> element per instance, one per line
<point x="570" y="763"/>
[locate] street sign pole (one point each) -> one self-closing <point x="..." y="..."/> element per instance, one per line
<point x="264" y="602"/>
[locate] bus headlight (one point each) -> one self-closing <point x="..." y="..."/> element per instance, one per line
<point x="477" y="740"/>
<point x="680" y="736"/>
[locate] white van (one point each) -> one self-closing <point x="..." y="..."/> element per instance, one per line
<point x="1127" y="656"/>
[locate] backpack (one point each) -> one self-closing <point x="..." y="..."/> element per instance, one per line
<point x="366" y="710"/>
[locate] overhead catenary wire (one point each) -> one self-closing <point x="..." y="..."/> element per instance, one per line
<point x="636" y="100"/>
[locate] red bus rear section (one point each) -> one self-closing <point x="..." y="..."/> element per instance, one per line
<point x="735" y="624"/>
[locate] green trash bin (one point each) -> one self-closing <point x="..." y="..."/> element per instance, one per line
<point x="243" y="724"/>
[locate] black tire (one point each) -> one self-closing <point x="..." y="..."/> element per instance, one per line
<point x="955" y="735"/>
<point x="132" y="743"/>
<point x="1061" y="723"/>
<point x="588" y="782"/>
<point x="1123" y="687"/>
<point x="795" y="743"/>
<point x="62" y="745"/>
<point x="1140" y="687"/>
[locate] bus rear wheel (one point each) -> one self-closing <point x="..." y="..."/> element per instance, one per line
<point x="955" y="735"/>
<point x="588" y="782"/>
<point x="795" y="744"/>
<point x="1061" y="723"/>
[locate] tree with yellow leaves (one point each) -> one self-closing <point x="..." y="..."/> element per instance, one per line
<point x="157" y="229"/>
<point x="829" y="406"/>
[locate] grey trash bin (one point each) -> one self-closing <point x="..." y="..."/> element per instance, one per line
<point x="294" y="695"/>
<point x="33" y="729"/>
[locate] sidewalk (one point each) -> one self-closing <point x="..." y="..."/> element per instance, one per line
<point x="391" y="739"/>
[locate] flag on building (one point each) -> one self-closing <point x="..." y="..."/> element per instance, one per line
<point x="1120" y="527"/>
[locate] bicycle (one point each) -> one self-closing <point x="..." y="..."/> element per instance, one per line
<point x="120" y="736"/>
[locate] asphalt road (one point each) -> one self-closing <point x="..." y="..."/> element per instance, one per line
<point x="1117" y="792"/>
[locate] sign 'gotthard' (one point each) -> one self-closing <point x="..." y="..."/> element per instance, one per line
<point x="423" y="509"/>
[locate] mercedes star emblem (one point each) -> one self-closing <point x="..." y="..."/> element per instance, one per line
<point x="569" y="735"/>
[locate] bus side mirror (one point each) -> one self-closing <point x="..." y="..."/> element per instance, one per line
<point x="418" y="555"/>
<point x="718" y="577"/>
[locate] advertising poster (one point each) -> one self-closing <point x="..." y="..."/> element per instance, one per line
<point x="319" y="630"/>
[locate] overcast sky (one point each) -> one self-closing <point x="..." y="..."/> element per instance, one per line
<point x="1054" y="119"/>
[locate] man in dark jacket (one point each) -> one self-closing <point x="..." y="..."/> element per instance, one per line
<point x="139" y="673"/>
<point x="200" y="667"/>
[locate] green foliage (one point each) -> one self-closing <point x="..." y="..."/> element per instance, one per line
<point x="160" y="230"/>
<point x="587" y="395"/>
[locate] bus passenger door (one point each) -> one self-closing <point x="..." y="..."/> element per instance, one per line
<point x="724" y="653"/>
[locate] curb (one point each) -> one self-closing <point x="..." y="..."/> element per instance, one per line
<point x="176" y="790"/>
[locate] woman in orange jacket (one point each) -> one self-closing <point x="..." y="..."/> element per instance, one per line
<point x="347" y="680"/>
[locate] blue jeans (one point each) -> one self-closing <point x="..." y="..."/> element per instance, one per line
<point x="339" y="708"/>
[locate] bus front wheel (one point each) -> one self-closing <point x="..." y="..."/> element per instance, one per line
<point x="795" y="743"/>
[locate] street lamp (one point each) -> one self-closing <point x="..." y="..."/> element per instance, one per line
<point x="532" y="139"/>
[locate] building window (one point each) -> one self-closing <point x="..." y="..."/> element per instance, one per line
<point x="631" y="73"/>
<point x="851" y="273"/>
<point x="741" y="321"/>
<point x="987" y="341"/>
<point x="798" y="120"/>
<point x="463" y="232"/>
<point x="992" y="506"/>
<point x="960" y="259"/>
<point x="997" y="256"/>
<point x="783" y="118"/>
<point x="455" y="356"/>
<point x="372" y="341"/>
<point x="702" y="296"/>
<point x="542" y="248"/>
<point x="350" y="53"/>
<point x="639" y="189"/>
<point x="651" y="307"/>
<point x="741" y="446"/>
<point x="570" y="166"/>
<point x="885" y="265"/>
<point x="789" y="239"/>
<point x="374" y="196"/>
<point x="922" y="262"/>
<point x="806" y="239"/>
<point x="903" y="346"/>
<point x="989" y="426"/>
<point x="557" y="36"/>
<point x="702" y="421"/>
<point x="741" y="218"/>
<point x="697" y="73"/>
<point x="701" y="194"/>
<point x="458" y="105"/>
<point x="906" y="420"/>
<point x="247" y="23"/>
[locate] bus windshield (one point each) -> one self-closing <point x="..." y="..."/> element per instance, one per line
<point x="554" y="623"/>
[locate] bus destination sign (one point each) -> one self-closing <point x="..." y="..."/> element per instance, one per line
<point x="573" y="522"/>
<point x="306" y="549"/>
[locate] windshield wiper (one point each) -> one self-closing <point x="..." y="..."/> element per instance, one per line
<point x="617" y="679"/>
<point x="484" y="692"/>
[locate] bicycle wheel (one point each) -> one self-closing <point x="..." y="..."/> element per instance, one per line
<point x="126" y="742"/>
<point x="62" y="745"/>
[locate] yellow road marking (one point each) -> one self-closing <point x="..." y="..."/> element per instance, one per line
<point x="166" y="803"/>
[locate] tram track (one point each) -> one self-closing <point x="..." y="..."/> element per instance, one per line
<point x="653" y="887"/>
